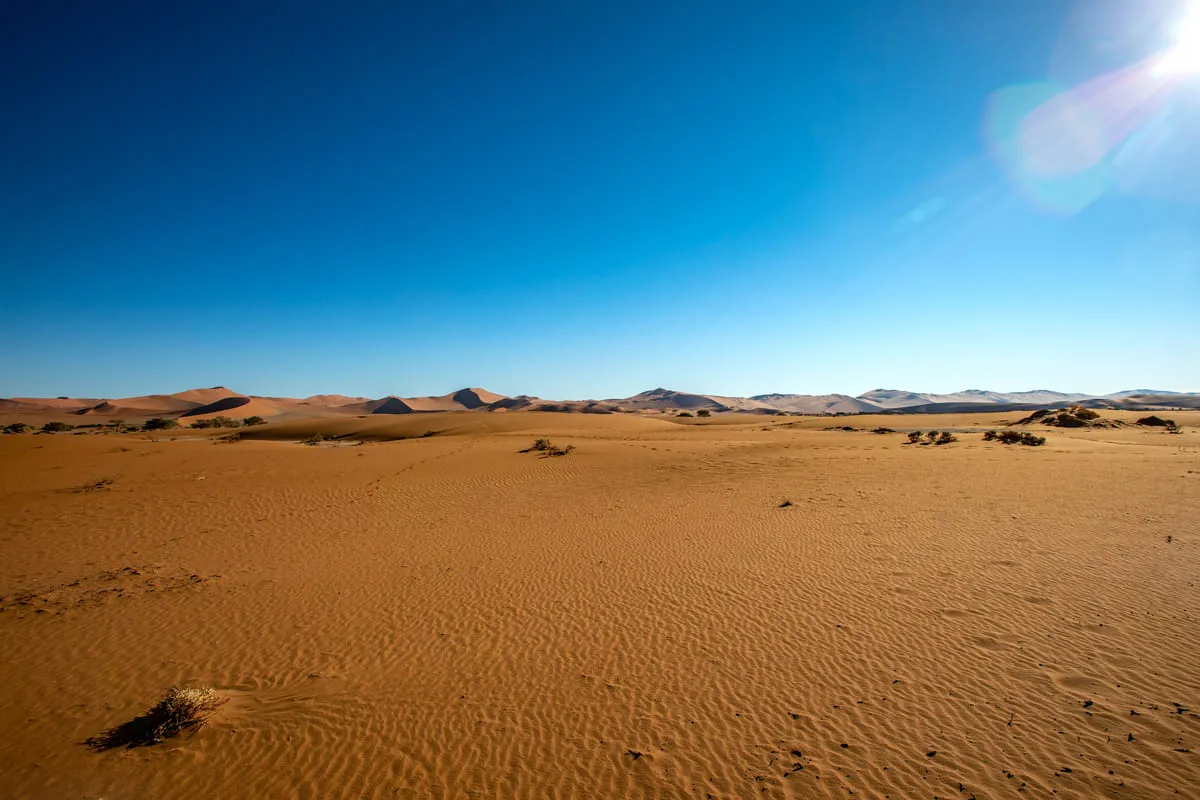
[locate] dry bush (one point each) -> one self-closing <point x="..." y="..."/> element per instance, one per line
<point x="182" y="709"/>
<point x="94" y="486"/>
<point x="548" y="448"/>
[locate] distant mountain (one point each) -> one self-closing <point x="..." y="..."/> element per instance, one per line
<point x="816" y="403"/>
<point x="200" y="403"/>
<point x="895" y="398"/>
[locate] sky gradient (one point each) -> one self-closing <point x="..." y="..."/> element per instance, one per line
<point x="585" y="200"/>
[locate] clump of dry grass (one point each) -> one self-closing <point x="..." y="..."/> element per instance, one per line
<point x="97" y="485"/>
<point x="547" y="448"/>
<point x="181" y="709"/>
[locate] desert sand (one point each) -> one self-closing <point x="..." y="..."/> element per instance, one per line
<point x="432" y="613"/>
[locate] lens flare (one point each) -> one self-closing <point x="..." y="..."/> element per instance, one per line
<point x="1183" y="58"/>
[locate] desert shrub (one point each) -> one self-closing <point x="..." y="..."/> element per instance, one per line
<point x="1084" y="413"/>
<point x="254" y="420"/>
<point x="914" y="437"/>
<point x="219" y="421"/>
<point x="989" y="436"/>
<point x="314" y="438"/>
<point x="160" y="424"/>
<point x="946" y="438"/>
<point x="932" y="436"/>
<point x="180" y="710"/>
<point x="1008" y="437"/>
<point x="704" y="412"/>
<point x="18" y="427"/>
<point x="547" y="448"/>
<point x="236" y="436"/>
<point x="1031" y="440"/>
<point x="684" y="414"/>
<point x="1155" y="422"/>
<point x="882" y="430"/>
<point x="57" y="427"/>
<point x="97" y="485"/>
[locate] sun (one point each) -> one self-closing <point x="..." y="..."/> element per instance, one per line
<point x="1183" y="57"/>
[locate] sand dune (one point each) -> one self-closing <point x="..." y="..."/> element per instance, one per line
<point x="444" y="616"/>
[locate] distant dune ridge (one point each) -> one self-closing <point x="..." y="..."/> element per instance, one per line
<point x="196" y="404"/>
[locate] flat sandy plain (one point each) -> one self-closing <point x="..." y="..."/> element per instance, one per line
<point x="444" y="616"/>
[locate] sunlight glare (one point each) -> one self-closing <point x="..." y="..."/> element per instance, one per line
<point x="1184" y="57"/>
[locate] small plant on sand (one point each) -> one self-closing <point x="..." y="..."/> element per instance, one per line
<point x="914" y="437"/>
<point x="97" y="485"/>
<point x="159" y="424"/>
<point x="946" y="438"/>
<point x="989" y="436"/>
<point x="314" y="438"/>
<point x="182" y="709"/>
<point x="684" y="414"/>
<point x="932" y="436"/>
<point x="548" y="448"/>
<point x="18" y="427"/>
<point x="1025" y="438"/>
<point x="57" y="427"/>
<point x="218" y="421"/>
<point x="704" y="412"/>
<point x="254" y="420"/>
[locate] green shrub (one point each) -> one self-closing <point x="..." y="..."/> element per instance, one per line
<point x="931" y="436"/>
<point x="684" y="414"/>
<point x="57" y="427"/>
<point x="1009" y="437"/>
<point x="914" y="437"/>
<point x="314" y="438"/>
<point x="18" y="427"/>
<point x="989" y="436"/>
<point x="540" y="445"/>
<point x="946" y="438"/>
<point x="160" y="424"/>
<point x="218" y="421"/>
<point x="254" y="420"/>
<point x="1031" y="440"/>
<point x="704" y="412"/>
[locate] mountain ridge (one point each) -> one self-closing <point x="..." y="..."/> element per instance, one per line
<point x="196" y="404"/>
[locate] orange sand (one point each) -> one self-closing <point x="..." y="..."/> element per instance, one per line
<point x="442" y="616"/>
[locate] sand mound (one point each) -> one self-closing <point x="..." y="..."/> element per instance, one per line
<point x="202" y="397"/>
<point x="388" y="405"/>
<point x="236" y="407"/>
<point x="1073" y="417"/>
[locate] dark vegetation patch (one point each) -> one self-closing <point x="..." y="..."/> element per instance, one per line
<point x="182" y="709"/>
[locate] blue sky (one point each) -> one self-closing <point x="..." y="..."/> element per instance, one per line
<point x="575" y="199"/>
